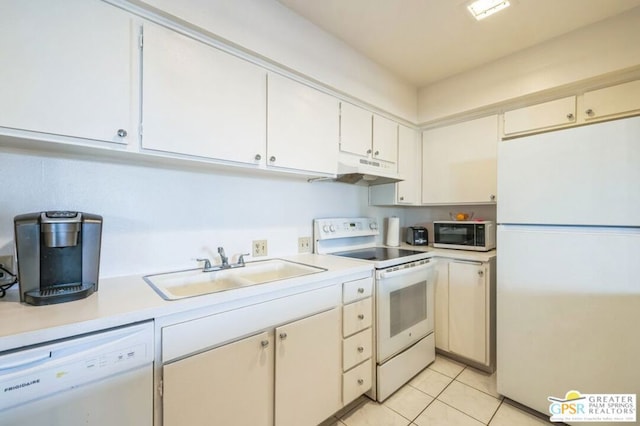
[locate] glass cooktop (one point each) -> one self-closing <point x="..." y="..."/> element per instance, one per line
<point x="379" y="253"/>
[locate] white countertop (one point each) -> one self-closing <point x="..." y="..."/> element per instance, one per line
<point x="125" y="300"/>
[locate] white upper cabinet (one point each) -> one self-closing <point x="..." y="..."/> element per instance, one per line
<point x="356" y="126"/>
<point x="198" y="100"/>
<point x="408" y="166"/>
<point x="544" y="116"/>
<point x="68" y="68"/>
<point x="459" y="163"/>
<point x="385" y="139"/>
<point x="302" y="127"/>
<point x="367" y="135"/>
<point x="612" y="102"/>
<point x="407" y="191"/>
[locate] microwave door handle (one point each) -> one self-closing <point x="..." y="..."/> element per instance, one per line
<point x="406" y="271"/>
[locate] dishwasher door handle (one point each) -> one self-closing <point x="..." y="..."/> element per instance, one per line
<point x="24" y="362"/>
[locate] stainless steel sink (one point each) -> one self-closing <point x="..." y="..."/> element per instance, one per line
<point x="194" y="282"/>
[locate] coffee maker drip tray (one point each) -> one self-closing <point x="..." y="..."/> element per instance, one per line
<point x="59" y="293"/>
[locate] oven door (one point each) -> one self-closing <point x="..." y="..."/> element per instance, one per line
<point x="405" y="308"/>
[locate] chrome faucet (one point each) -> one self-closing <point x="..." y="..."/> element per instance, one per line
<point x="207" y="265"/>
<point x="223" y="258"/>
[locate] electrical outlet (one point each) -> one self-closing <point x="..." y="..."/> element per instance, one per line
<point x="304" y="245"/>
<point x="7" y="262"/>
<point x="259" y="248"/>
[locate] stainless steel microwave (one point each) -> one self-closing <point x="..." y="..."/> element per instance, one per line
<point x="465" y="235"/>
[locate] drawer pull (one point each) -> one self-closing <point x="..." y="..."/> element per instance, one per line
<point x="361" y="316"/>
<point x="360" y="290"/>
<point x="360" y="349"/>
<point x="283" y="336"/>
<point x="360" y="382"/>
<point x="264" y="343"/>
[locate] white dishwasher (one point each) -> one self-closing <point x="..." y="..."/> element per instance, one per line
<point x="103" y="378"/>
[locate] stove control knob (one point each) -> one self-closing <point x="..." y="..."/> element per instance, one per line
<point x="332" y="228"/>
<point x="373" y="225"/>
<point x="325" y="228"/>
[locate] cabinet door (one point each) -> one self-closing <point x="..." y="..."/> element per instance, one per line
<point x="355" y="129"/>
<point x="385" y="139"/>
<point x="459" y="162"/>
<point x="229" y="385"/>
<point x="308" y="370"/>
<point x="610" y="102"/>
<point x="302" y="127"/>
<point x="467" y="310"/>
<point x="198" y="100"/>
<point x="408" y="166"/>
<point x="67" y="68"/>
<point x="442" y="305"/>
<point x="542" y="116"/>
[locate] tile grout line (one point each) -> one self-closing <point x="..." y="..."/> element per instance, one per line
<point x="496" y="412"/>
<point x="436" y="397"/>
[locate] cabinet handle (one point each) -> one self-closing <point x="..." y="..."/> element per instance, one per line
<point x="360" y="349"/>
<point x="360" y="290"/>
<point x="376" y="153"/>
<point x="258" y="157"/>
<point x="272" y="158"/>
<point x="264" y="343"/>
<point x="361" y="382"/>
<point x="589" y="112"/>
<point x="122" y="133"/>
<point x="361" y="316"/>
<point x="401" y="198"/>
<point x="492" y="197"/>
<point x="283" y="336"/>
<point x="570" y="116"/>
<point x="481" y="273"/>
<point x="368" y="151"/>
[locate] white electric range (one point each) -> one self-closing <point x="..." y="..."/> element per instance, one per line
<point x="404" y="298"/>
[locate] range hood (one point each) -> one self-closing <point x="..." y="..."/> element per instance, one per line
<point x="363" y="171"/>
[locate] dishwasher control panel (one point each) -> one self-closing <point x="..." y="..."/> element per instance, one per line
<point x="29" y="374"/>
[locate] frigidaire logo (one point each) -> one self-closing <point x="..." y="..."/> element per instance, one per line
<point x="22" y="385"/>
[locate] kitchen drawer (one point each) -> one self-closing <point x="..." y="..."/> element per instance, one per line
<point x="356" y="316"/>
<point x="358" y="289"/>
<point x="356" y="382"/>
<point x="356" y="349"/>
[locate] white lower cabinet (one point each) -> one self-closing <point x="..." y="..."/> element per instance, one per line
<point x="307" y="370"/>
<point x="278" y="362"/>
<point x="465" y="310"/>
<point x="290" y="376"/>
<point x="229" y="385"/>
<point x="357" y="343"/>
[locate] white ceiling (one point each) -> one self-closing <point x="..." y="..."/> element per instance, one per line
<point x="423" y="41"/>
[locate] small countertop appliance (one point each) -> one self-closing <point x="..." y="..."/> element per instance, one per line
<point x="58" y="256"/>
<point x="417" y="236"/>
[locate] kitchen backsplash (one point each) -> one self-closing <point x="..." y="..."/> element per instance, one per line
<point x="159" y="219"/>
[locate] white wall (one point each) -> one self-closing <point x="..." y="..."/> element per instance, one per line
<point x="158" y="219"/>
<point x="272" y="30"/>
<point x="605" y="47"/>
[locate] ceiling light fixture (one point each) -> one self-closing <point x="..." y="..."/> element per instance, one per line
<point x="480" y="9"/>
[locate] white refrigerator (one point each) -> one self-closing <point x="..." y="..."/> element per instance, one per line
<point x="568" y="271"/>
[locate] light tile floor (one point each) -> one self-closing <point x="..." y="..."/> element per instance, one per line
<point x="447" y="393"/>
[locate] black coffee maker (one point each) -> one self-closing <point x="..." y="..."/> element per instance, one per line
<point x="58" y="255"/>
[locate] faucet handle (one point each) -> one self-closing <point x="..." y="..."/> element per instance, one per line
<point x="241" y="258"/>
<point x="207" y="263"/>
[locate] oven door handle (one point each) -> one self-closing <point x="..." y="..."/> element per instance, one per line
<point x="405" y="271"/>
<point x="469" y="262"/>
